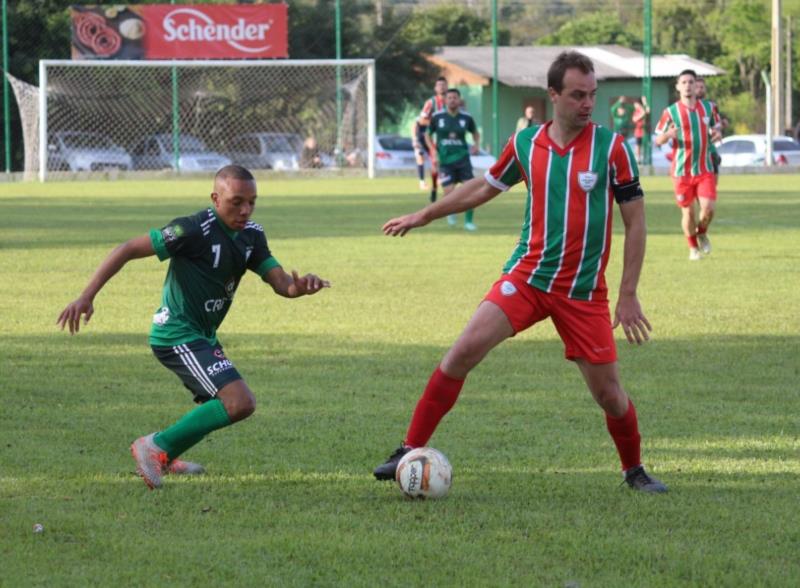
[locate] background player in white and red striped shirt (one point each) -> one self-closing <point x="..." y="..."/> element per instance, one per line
<point x="434" y="104"/>
<point x="574" y="170"/>
<point x="692" y="125"/>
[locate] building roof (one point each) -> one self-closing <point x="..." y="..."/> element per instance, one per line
<point x="527" y="66"/>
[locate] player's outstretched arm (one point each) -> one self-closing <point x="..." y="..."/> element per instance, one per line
<point x="136" y="248"/>
<point x="628" y="311"/>
<point x="293" y="286"/>
<point x="468" y="195"/>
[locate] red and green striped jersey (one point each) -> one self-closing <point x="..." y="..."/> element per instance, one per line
<point x="432" y="105"/>
<point x="566" y="234"/>
<point x="691" y="152"/>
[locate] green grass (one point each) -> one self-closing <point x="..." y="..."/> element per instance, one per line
<point x="289" y="499"/>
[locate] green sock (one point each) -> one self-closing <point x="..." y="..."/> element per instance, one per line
<point x="468" y="215"/>
<point x="192" y="427"/>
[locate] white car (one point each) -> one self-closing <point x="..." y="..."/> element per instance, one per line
<point x="156" y="152"/>
<point x="661" y="156"/>
<point x="745" y="150"/>
<point x="82" y="151"/>
<point x="395" y="152"/>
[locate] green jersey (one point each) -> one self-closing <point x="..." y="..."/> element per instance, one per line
<point x="207" y="261"/>
<point x="450" y="134"/>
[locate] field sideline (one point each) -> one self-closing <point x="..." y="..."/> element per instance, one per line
<point x="289" y="499"/>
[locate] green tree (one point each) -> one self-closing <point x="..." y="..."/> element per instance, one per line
<point x="593" y="29"/>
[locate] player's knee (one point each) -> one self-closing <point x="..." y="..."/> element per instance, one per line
<point x="612" y="398"/>
<point x="240" y="406"/>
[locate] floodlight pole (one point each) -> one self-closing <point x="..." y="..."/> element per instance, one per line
<point x="647" y="85"/>
<point x="768" y="86"/>
<point x="176" y="130"/>
<point x="339" y="153"/>
<point x="495" y="71"/>
<point x="6" y="107"/>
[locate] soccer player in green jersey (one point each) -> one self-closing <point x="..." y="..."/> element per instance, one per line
<point x="449" y="150"/>
<point x="209" y="252"/>
<point x="574" y="172"/>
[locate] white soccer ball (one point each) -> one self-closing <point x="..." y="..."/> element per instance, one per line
<point x="424" y="472"/>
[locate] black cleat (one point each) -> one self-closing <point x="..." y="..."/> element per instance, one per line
<point x="638" y="479"/>
<point x="386" y="470"/>
<point x="433" y="195"/>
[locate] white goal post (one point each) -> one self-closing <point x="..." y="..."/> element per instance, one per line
<point x="192" y="115"/>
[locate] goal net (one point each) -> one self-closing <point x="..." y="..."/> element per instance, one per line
<point x="190" y="116"/>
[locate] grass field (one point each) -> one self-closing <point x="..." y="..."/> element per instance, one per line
<point x="289" y="499"/>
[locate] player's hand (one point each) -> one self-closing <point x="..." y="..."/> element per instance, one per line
<point x="71" y="315"/>
<point x="474" y="150"/>
<point x="716" y="136"/>
<point x="309" y="284"/>
<point x="672" y="132"/>
<point x="628" y="313"/>
<point x="402" y="224"/>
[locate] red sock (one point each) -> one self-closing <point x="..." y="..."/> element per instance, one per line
<point x="625" y="432"/>
<point x="439" y="397"/>
<point x="434" y="180"/>
<point x="692" y="241"/>
<point x="701" y="230"/>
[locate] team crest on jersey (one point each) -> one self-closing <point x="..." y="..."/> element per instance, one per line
<point x="441" y="123"/>
<point x="463" y="123"/>
<point x="230" y="288"/>
<point x="587" y="180"/>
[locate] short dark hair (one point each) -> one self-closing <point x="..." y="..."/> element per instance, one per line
<point x="234" y="172"/>
<point x="567" y="60"/>
<point x="454" y="91"/>
<point x="685" y="72"/>
<point x="441" y="79"/>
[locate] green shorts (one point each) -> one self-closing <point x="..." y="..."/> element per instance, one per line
<point x="203" y="368"/>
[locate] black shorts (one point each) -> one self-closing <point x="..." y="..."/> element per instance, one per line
<point x="423" y="146"/>
<point x="202" y="368"/>
<point x="460" y="171"/>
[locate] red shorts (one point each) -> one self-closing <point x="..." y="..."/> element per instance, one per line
<point x="584" y="326"/>
<point x="687" y="188"/>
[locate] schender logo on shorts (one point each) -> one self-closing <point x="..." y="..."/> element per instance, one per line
<point x="508" y="289"/>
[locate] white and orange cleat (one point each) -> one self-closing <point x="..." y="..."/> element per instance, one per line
<point x="184" y="468"/>
<point x="150" y="460"/>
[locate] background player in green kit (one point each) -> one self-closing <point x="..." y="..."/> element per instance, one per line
<point x="450" y="155"/>
<point x="209" y="253"/>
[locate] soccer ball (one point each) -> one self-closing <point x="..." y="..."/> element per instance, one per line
<point x="424" y="472"/>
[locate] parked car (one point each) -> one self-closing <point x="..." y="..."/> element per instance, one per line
<point x="743" y="150"/>
<point x="395" y="152"/>
<point x="83" y="151"/>
<point x="661" y="156"/>
<point x="279" y="151"/>
<point x="156" y="152"/>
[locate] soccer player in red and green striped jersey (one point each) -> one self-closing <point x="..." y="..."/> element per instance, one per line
<point x="209" y="252"/>
<point x="432" y="105"/>
<point x="692" y="126"/>
<point x="574" y="171"/>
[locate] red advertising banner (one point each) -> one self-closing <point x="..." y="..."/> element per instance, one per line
<point x="165" y="31"/>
